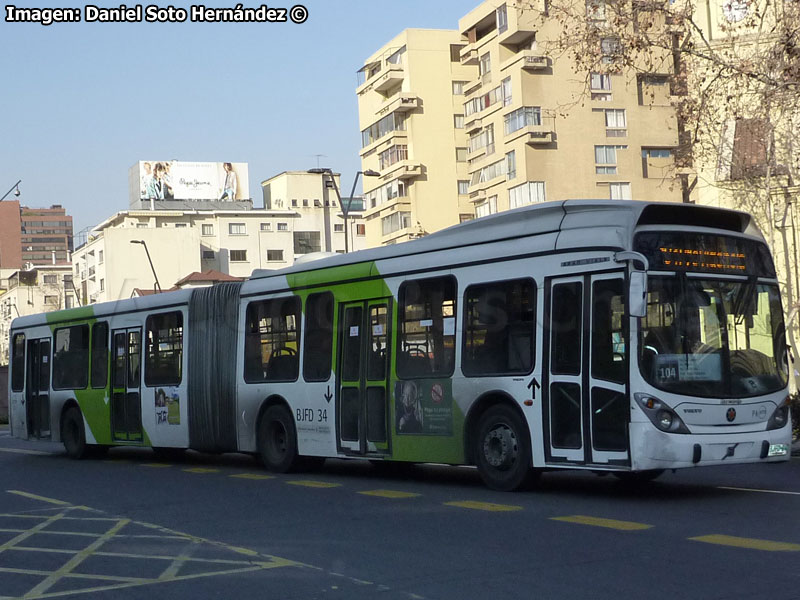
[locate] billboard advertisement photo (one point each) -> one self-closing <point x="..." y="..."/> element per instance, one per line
<point x="190" y="181"/>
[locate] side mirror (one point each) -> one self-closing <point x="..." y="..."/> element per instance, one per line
<point x="637" y="295"/>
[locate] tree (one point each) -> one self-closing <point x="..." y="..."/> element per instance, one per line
<point x="733" y="71"/>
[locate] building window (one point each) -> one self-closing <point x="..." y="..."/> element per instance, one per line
<point x="100" y="257"/>
<point x="392" y="155"/>
<point x="610" y="49"/>
<point x="616" y="122"/>
<point x="655" y="160"/>
<point x="511" y="165"/>
<point x="305" y="202"/>
<point x="484" y="101"/>
<point x="395" y="121"/>
<point x="499" y="325"/>
<point x="164" y="349"/>
<point x="463" y="186"/>
<point x="385" y="193"/>
<point x="506" y="87"/>
<point x="141" y="226"/>
<point x="600" y="81"/>
<point x="180" y="225"/>
<point x="596" y="10"/>
<point x="283" y="227"/>
<point x="395" y="222"/>
<point x="237" y="229"/>
<point x="605" y="158"/>
<point x="620" y="191"/>
<point x="461" y="155"/>
<point x="266" y="227"/>
<point x="306" y="242"/>
<point x="294" y="203"/>
<point x="274" y="255"/>
<point x="483" y="139"/>
<point x="69" y="301"/>
<point x="528" y="193"/>
<point x="489" y="172"/>
<point x="51" y="300"/>
<point x="338" y="227"/>
<point x="485" y="65"/>
<point x="361" y="229"/>
<point x="102" y="285"/>
<point x="208" y="255"/>
<point x="458" y="88"/>
<point x="207" y="230"/>
<point x="238" y="255"/>
<point x="523" y="117"/>
<point x="272" y="340"/>
<point x="426" y="319"/>
<point x="71" y="358"/>
<point x="51" y="279"/>
<point x="486" y="208"/>
<point x="502" y="19"/>
<point x="318" y="348"/>
<point x="464" y="217"/>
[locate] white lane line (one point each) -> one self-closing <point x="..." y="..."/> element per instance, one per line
<point x="738" y="489"/>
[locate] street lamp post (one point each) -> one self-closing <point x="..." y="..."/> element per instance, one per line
<point x="345" y="209"/>
<point x="14" y="188"/>
<point x="157" y="286"/>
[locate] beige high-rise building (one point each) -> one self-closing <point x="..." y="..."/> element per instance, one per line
<point x="411" y="115"/>
<point x="531" y="130"/>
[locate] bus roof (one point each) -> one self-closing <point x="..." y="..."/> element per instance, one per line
<point x="538" y="219"/>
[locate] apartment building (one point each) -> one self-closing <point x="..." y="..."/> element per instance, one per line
<point x="41" y="289"/>
<point x="525" y="127"/>
<point x="46" y="235"/>
<point x="411" y="116"/>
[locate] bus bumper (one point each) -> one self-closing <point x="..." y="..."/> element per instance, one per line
<point x="654" y="449"/>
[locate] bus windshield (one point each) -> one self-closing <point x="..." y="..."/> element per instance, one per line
<point x="712" y="337"/>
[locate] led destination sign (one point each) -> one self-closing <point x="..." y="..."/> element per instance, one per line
<point x="704" y="253"/>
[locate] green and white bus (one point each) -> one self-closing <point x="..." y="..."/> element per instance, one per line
<point x="613" y="336"/>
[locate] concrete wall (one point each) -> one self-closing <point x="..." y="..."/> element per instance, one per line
<point x="3" y="394"/>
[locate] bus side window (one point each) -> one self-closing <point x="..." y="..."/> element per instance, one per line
<point x="318" y="342"/>
<point x="99" y="355"/>
<point x="427" y="318"/>
<point x="18" y="363"/>
<point x="71" y="358"/>
<point x="272" y="340"/>
<point x="164" y="349"/>
<point x="499" y="321"/>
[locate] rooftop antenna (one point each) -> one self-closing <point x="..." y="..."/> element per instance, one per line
<point x="318" y="156"/>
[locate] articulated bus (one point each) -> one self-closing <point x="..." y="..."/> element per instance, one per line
<point x="613" y="336"/>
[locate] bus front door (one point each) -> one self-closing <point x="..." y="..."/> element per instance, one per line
<point x="586" y="401"/>
<point x="37" y="389"/>
<point x="126" y="407"/>
<point x="362" y="377"/>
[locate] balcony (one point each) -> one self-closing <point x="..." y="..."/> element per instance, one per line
<point x="472" y="86"/>
<point x="469" y="56"/>
<point x="402" y="103"/>
<point x="538" y="135"/>
<point x="393" y="75"/>
<point x="532" y="61"/>
<point x="405" y="169"/>
<point x="472" y="123"/>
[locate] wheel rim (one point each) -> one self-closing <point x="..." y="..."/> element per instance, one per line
<point x="500" y="447"/>
<point x="278" y="439"/>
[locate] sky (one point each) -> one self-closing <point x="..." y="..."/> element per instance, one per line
<point x="80" y="103"/>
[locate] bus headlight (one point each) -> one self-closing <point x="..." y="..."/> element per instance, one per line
<point x="780" y="417"/>
<point x="661" y="415"/>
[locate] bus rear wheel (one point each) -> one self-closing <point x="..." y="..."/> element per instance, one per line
<point x="502" y="450"/>
<point x="277" y="440"/>
<point x="72" y="433"/>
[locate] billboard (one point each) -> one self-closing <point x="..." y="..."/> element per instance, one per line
<point x="176" y="180"/>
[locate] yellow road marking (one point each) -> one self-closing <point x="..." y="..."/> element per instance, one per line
<point x="21" y="451"/>
<point x="600" y="522"/>
<point x="484" y="506"/>
<point x="389" y="494"/>
<point x="255" y="476"/>
<point x="314" y="484"/>
<point x="156" y="465"/>
<point x="39" y="498"/>
<point x="750" y="543"/>
<point x="33" y="531"/>
<point x="201" y="470"/>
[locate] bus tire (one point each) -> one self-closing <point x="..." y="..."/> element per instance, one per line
<point x="277" y="440"/>
<point x="72" y="433"/>
<point x="502" y="450"/>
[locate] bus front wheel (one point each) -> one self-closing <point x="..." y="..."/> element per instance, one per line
<point x="72" y="433"/>
<point x="502" y="451"/>
<point x="277" y="440"/>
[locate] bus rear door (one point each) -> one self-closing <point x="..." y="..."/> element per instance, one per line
<point x="37" y="389"/>
<point x="126" y="407"/>
<point x="362" y="376"/>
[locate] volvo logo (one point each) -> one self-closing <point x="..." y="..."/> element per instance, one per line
<point x="730" y="415"/>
